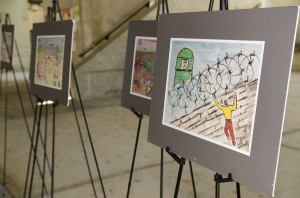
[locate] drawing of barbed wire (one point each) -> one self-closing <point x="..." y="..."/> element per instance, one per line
<point x="203" y="71"/>
<point x="227" y="73"/>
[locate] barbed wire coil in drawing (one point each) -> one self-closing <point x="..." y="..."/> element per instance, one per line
<point x="226" y="74"/>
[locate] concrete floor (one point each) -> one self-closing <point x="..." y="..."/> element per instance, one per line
<point x="113" y="130"/>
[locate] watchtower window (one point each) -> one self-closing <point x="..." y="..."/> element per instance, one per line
<point x="184" y="64"/>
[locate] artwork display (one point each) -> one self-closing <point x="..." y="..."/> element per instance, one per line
<point x="49" y="61"/>
<point x="139" y="66"/>
<point x="143" y="66"/>
<point x="222" y="89"/>
<point x="212" y="89"/>
<point x="51" y="57"/>
<point x="7" y="46"/>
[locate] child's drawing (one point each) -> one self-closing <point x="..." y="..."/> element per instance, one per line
<point x="143" y="66"/>
<point x="212" y="89"/>
<point x="49" y="61"/>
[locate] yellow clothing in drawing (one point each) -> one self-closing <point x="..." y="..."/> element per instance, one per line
<point x="227" y="110"/>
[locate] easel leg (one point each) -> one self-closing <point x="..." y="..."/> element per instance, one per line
<point x="35" y="148"/>
<point x="1" y="84"/>
<point x="167" y="6"/>
<point x="7" y="18"/>
<point x="238" y="190"/>
<point x="158" y="9"/>
<point x="223" y="5"/>
<point x="25" y="118"/>
<point x="31" y="149"/>
<point x="161" y="172"/>
<point x="179" y="177"/>
<point x="219" y="179"/>
<point x="181" y="162"/>
<point x="193" y="181"/>
<point x="86" y="124"/>
<point x="31" y="136"/>
<point x="211" y="5"/>
<point x="217" y="191"/>
<point x="83" y="146"/>
<point x="53" y="148"/>
<point x="226" y="5"/>
<point x="23" y="71"/>
<point x="45" y="151"/>
<point x="1" y="72"/>
<point x="140" y="116"/>
<point x="5" y="139"/>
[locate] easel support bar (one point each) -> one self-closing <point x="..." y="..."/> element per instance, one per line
<point x="139" y="115"/>
<point x="180" y="161"/>
<point x="220" y="179"/>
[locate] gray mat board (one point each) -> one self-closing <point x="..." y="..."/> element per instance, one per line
<point x="275" y="26"/>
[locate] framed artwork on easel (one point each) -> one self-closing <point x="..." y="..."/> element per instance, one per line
<point x="212" y="89"/>
<point x="139" y="65"/>
<point x="223" y="89"/>
<point x="51" y="58"/>
<point x="7" y="45"/>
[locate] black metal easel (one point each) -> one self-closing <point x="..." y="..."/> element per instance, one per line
<point x="52" y="18"/>
<point x="220" y="179"/>
<point x="8" y="22"/>
<point x="217" y="177"/>
<point x="223" y="5"/>
<point x="162" y="5"/>
<point x="56" y="2"/>
<point x="181" y="162"/>
<point x="11" y="69"/>
<point x="165" y="9"/>
<point x="5" y="137"/>
<point x="36" y="133"/>
<point x="140" y="117"/>
<point x="31" y="136"/>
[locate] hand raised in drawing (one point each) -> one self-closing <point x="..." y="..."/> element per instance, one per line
<point x="214" y="96"/>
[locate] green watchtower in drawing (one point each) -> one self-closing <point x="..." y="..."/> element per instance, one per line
<point x="184" y="65"/>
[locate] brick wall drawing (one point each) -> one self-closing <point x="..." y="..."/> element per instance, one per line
<point x="209" y="121"/>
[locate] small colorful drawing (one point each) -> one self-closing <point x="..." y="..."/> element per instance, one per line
<point x="143" y="66"/>
<point x="6" y="47"/>
<point x="212" y="88"/>
<point x="49" y="61"/>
